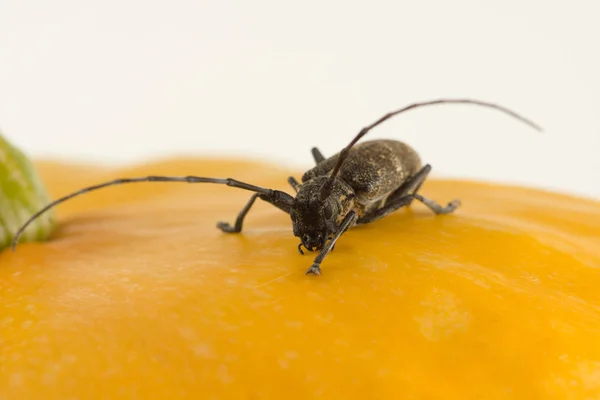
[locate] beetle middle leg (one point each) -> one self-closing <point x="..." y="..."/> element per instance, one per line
<point x="319" y="158"/>
<point x="293" y="183"/>
<point x="404" y="196"/>
<point x="317" y="155"/>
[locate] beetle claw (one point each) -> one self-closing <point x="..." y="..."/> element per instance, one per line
<point x="226" y="227"/>
<point x="315" y="269"/>
<point x="454" y="204"/>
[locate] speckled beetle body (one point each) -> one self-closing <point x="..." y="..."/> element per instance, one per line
<point x="374" y="169"/>
<point x="377" y="178"/>
<point x="360" y="184"/>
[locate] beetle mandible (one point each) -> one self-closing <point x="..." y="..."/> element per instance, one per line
<point x="360" y="184"/>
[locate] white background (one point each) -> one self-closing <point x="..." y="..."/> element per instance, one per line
<point x="127" y="80"/>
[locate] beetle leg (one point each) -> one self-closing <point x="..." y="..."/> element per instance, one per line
<point x="404" y="196"/>
<point x="293" y="183"/>
<point x="319" y="158"/>
<point x="317" y="155"/>
<point x="389" y="208"/>
<point x="419" y="179"/>
<point x="348" y="220"/>
<point x="415" y="183"/>
<point x="437" y="208"/>
<point x="227" y="228"/>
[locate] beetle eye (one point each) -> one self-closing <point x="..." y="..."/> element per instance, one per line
<point x="327" y="213"/>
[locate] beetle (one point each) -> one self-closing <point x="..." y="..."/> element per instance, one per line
<point x="359" y="185"/>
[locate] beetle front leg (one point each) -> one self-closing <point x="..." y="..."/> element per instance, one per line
<point x="348" y="220"/>
<point x="239" y="221"/>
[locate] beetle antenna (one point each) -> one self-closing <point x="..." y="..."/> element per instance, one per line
<point x="328" y="185"/>
<point x="281" y="197"/>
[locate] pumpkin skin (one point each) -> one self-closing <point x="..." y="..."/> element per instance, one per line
<point x="139" y="295"/>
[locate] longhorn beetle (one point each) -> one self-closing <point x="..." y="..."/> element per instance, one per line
<point x="359" y="185"/>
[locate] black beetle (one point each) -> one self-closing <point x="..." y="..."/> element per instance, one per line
<point x="359" y="185"/>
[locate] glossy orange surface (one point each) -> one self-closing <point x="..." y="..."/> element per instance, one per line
<point x="138" y="295"/>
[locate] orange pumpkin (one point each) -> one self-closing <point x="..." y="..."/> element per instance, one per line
<point x="138" y="295"/>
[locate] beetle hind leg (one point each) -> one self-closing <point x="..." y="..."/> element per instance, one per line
<point x="419" y="178"/>
<point x="437" y="208"/>
<point x="404" y="196"/>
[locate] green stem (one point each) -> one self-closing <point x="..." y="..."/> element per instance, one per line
<point x="22" y="193"/>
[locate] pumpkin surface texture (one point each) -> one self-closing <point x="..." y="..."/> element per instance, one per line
<point x="137" y="294"/>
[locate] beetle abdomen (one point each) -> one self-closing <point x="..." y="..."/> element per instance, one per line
<point x="373" y="168"/>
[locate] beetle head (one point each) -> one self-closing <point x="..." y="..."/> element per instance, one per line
<point x="315" y="220"/>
